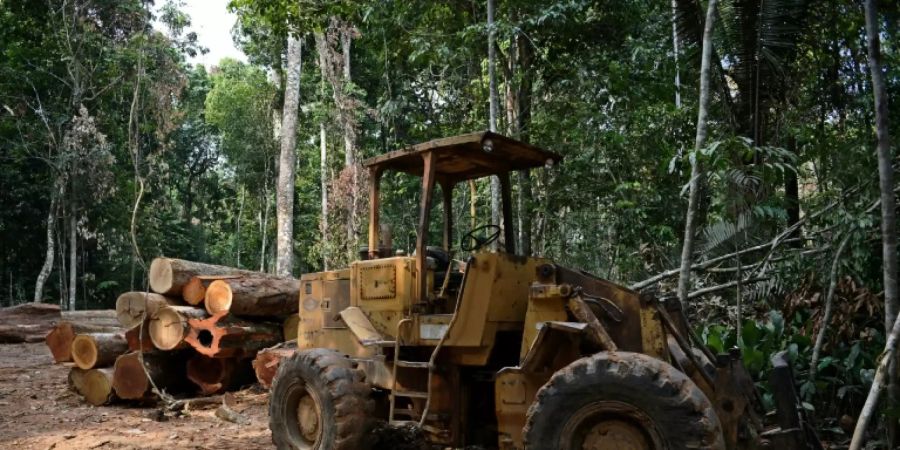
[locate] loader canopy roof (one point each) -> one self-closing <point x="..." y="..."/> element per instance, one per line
<point x="465" y="157"/>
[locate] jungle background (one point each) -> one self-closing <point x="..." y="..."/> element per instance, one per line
<point x="115" y="149"/>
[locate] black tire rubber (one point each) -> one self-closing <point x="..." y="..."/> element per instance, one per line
<point x="344" y="400"/>
<point x="681" y="415"/>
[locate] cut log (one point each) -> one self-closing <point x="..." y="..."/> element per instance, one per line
<point x="215" y="375"/>
<point x="291" y="327"/>
<point x="28" y="322"/>
<point x="167" y="370"/>
<point x="223" y="336"/>
<point x="169" y="275"/>
<point x="138" y="338"/>
<point x="169" y="326"/>
<point x="59" y="339"/>
<point x="195" y="290"/>
<point x="254" y="297"/>
<point x="98" y="349"/>
<point x="98" y="317"/>
<point x="131" y="307"/>
<point x="76" y="380"/>
<point x="266" y="363"/>
<point x="97" y="386"/>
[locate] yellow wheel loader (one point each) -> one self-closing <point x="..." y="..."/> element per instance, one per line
<point x="501" y="350"/>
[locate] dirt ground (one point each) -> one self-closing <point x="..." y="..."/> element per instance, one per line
<point x="37" y="411"/>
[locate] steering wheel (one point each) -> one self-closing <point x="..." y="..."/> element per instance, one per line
<point x="479" y="241"/>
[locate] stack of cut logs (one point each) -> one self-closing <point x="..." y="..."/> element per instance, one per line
<point x="198" y="331"/>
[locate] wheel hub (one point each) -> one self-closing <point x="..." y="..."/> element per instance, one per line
<point x="615" y="434"/>
<point x="610" y="425"/>
<point x="308" y="418"/>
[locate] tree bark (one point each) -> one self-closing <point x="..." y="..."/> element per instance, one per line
<point x="169" y="276"/>
<point x="284" y="260"/>
<point x="884" y="364"/>
<point x="59" y="339"/>
<point x="138" y="338"/>
<point x="323" y="183"/>
<point x="266" y="363"/>
<point x="690" y="226"/>
<point x="131" y="370"/>
<point x="132" y="308"/>
<point x="73" y="258"/>
<point x="169" y="326"/>
<point x="826" y="314"/>
<point x="256" y="297"/>
<point x="888" y="214"/>
<point x="492" y="117"/>
<point x="227" y="337"/>
<point x="98" y="349"/>
<point x="96" y="386"/>
<point x="51" y="247"/>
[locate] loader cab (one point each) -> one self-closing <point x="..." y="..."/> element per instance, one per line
<point x="449" y="163"/>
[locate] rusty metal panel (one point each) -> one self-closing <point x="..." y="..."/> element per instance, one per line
<point x="335" y="298"/>
<point x="378" y="282"/>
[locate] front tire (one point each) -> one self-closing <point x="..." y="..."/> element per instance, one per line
<point x="318" y="401"/>
<point x="621" y="400"/>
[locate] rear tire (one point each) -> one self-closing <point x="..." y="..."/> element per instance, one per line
<point x="318" y="401"/>
<point x="621" y="400"/>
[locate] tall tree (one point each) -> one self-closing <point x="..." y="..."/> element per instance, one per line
<point x="492" y="114"/>
<point x="284" y="261"/>
<point x="690" y="226"/>
<point x="886" y="185"/>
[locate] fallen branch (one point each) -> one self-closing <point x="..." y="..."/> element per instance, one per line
<point x="703" y="265"/>
<point x="826" y="316"/>
<point x="722" y="287"/>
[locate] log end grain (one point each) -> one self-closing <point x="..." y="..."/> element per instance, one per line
<point x="84" y="351"/>
<point x="97" y="386"/>
<point x="194" y="292"/>
<point x="59" y="341"/>
<point x="218" y="297"/>
<point x="167" y="329"/>
<point x="161" y="276"/>
<point x="129" y="378"/>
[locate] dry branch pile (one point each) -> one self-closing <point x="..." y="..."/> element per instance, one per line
<point x="198" y="332"/>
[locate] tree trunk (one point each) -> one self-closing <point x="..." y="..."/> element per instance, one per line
<point x="323" y="180"/>
<point x="214" y="375"/>
<point x="690" y="226"/>
<point x="676" y="51"/>
<point x="492" y="117"/>
<point x="826" y="315"/>
<point x="51" y="247"/>
<point x="132" y="308"/>
<point x="523" y="118"/>
<point x="169" y="276"/>
<point x="266" y="363"/>
<point x="59" y="339"/>
<point x="888" y="214"/>
<point x="886" y="361"/>
<point x="169" y="326"/>
<point x="284" y="260"/>
<point x="73" y="259"/>
<point x="257" y="297"/>
<point x="227" y="337"/>
<point x="96" y="386"/>
<point x="131" y="370"/>
<point x="75" y="380"/>
<point x="98" y="349"/>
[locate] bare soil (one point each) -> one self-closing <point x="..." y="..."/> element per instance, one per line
<point x="37" y="411"/>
